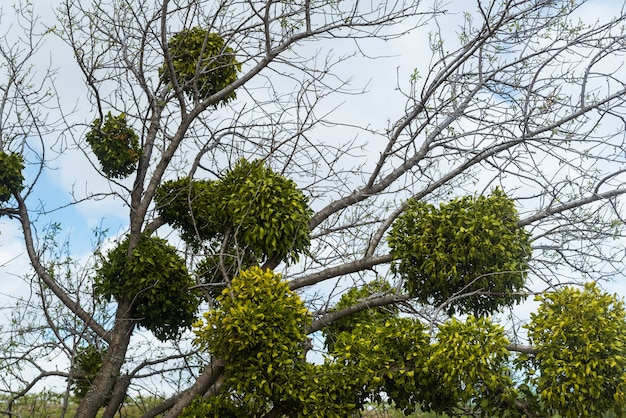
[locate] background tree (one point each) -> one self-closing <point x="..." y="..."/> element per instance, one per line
<point x="216" y="125"/>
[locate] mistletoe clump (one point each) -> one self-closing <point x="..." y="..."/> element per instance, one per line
<point x="258" y="329"/>
<point x="256" y="213"/>
<point x="375" y="315"/>
<point x="580" y="341"/>
<point x="267" y="212"/>
<point x="115" y="144"/>
<point x="156" y="280"/>
<point x="469" y="246"/>
<point x="87" y="364"/>
<point x="202" y="63"/>
<point x="11" y="177"/>
<point x="190" y="206"/>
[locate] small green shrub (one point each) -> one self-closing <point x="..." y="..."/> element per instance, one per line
<point x="115" y="144"/>
<point x="87" y="364"/>
<point x="202" y="62"/>
<point x="470" y="244"/>
<point x="156" y="280"/>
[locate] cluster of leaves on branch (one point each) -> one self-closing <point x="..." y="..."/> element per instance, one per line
<point x="259" y="330"/>
<point x="580" y="365"/>
<point x="11" y="177"/>
<point x="468" y="365"/>
<point x="155" y="279"/>
<point x="115" y="144"/>
<point x="470" y="244"/>
<point x="377" y="315"/>
<point x="250" y="215"/>
<point x="87" y="363"/>
<point x="202" y="63"/>
<point x="383" y="362"/>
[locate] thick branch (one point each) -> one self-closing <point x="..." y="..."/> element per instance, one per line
<point x="208" y="378"/>
<point x="347" y="268"/>
<point x="523" y="349"/>
<point x="365" y="304"/>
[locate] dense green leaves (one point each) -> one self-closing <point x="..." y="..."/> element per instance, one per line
<point x="470" y="244"/>
<point x="384" y="361"/>
<point x="262" y="214"/>
<point x="87" y="363"/>
<point x="11" y="177"/>
<point x="259" y="330"/>
<point x="580" y="337"/>
<point x="468" y="365"/>
<point x="191" y="206"/>
<point x="156" y="280"/>
<point x="115" y="144"/>
<point x="202" y="63"/>
<point x="373" y="316"/>
<point x="266" y="211"/>
<point x="258" y="318"/>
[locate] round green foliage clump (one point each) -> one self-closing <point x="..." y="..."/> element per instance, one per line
<point x="375" y="316"/>
<point x="115" y="144"/>
<point x="469" y="364"/>
<point x="259" y="319"/>
<point x="258" y="329"/>
<point x="202" y="62"/>
<point x="267" y="213"/>
<point x="580" y="339"/>
<point x="471" y="244"/>
<point x="190" y="206"/>
<point x="11" y="177"/>
<point x="87" y="364"/>
<point x="155" y="280"/>
<point x="263" y="214"/>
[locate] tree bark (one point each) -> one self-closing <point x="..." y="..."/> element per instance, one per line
<point x="111" y="365"/>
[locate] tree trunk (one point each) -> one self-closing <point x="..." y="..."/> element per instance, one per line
<point x="106" y="378"/>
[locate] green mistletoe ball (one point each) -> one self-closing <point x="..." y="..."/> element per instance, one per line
<point x="202" y="63"/>
<point x="262" y="213"/>
<point x="115" y="144"/>
<point x="155" y="279"/>
<point x="468" y="255"/>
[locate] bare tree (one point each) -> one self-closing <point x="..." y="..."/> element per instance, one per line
<point x="522" y="96"/>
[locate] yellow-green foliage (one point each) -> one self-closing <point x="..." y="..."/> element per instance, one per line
<point x="470" y="244"/>
<point x="115" y="144"/>
<point x="202" y="62"/>
<point x="468" y="365"/>
<point x="156" y="280"/>
<point x="385" y="358"/>
<point x="259" y="320"/>
<point x="259" y="330"/>
<point x="374" y="316"/>
<point x="11" y="177"/>
<point x="580" y="336"/>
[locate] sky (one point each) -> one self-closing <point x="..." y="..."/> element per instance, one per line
<point x="72" y="173"/>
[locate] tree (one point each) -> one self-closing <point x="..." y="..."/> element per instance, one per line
<point x="251" y="229"/>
